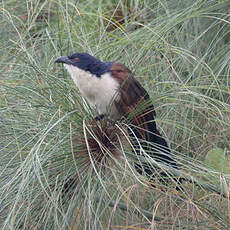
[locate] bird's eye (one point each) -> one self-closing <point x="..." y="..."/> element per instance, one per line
<point x="75" y="59"/>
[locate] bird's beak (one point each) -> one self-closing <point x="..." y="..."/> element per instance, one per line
<point x="64" y="59"/>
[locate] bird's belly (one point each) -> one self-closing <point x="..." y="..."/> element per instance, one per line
<point x="103" y="102"/>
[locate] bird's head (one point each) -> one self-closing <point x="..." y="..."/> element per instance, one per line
<point x="85" y="62"/>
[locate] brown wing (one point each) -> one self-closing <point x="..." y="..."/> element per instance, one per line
<point x="134" y="100"/>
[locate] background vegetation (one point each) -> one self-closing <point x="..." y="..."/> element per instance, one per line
<point x="179" y="50"/>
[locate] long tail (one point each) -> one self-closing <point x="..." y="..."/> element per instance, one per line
<point x="144" y="128"/>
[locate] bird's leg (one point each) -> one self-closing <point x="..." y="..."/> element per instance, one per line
<point x="99" y="117"/>
<point x="110" y="123"/>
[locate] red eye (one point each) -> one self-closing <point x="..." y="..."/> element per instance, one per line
<point x="75" y="59"/>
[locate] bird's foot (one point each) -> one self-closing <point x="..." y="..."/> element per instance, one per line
<point x="99" y="117"/>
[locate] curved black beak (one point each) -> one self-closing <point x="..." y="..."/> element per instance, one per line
<point x="64" y="59"/>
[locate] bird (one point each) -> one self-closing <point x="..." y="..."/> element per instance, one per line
<point x="112" y="89"/>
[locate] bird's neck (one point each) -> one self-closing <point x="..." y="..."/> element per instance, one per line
<point x="99" y="68"/>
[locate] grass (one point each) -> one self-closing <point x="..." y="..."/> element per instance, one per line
<point x="179" y="50"/>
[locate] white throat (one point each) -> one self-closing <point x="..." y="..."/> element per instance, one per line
<point x="100" y="92"/>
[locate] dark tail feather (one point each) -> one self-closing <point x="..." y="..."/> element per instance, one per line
<point x="144" y="128"/>
<point x="158" y="146"/>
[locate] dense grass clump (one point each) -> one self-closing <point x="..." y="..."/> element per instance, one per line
<point x="62" y="170"/>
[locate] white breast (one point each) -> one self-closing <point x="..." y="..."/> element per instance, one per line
<point x="100" y="92"/>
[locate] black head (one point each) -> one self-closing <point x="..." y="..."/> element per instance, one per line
<point x="80" y="60"/>
<point x="85" y="62"/>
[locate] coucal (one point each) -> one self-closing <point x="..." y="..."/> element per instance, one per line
<point x="112" y="90"/>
